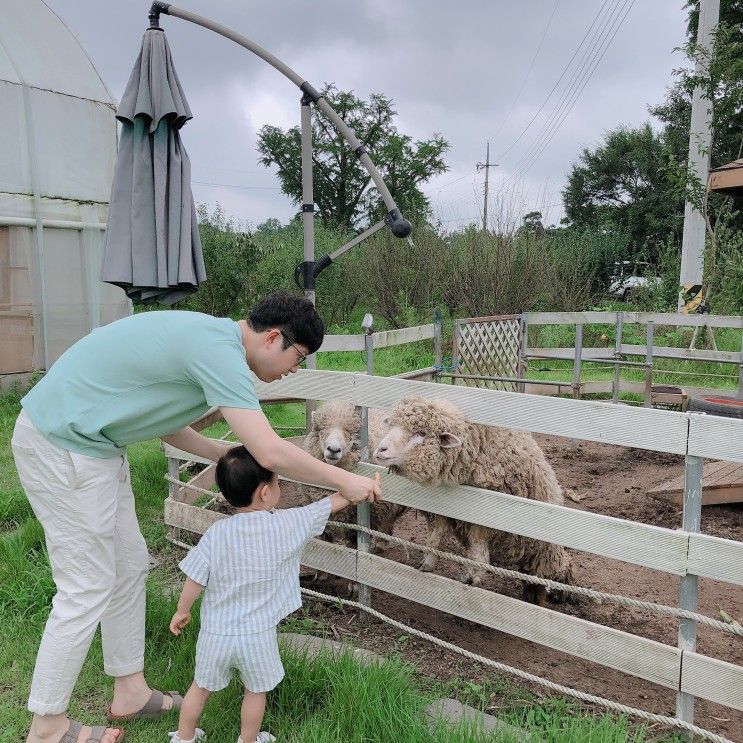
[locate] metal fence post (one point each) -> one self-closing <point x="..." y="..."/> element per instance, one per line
<point x="308" y="226"/>
<point x="577" y="360"/>
<point x="437" y="351"/>
<point x="740" y="372"/>
<point x="455" y="351"/>
<point x="649" y="340"/>
<point x="687" y="634"/>
<point x="523" y="350"/>
<point x="363" y="515"/>
<point x="616" y="387"/>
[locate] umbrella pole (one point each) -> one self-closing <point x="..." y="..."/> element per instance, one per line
<point x="308" y="224"/>
<point x="397" y="223"/>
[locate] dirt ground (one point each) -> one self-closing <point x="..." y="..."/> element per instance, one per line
<point x="610" y="480"/>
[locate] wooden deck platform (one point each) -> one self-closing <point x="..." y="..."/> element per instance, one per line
<point x="722" y="482"/>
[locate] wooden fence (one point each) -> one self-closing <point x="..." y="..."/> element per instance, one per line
<point x="483" y="363"/>
<point x="684" y="553"/>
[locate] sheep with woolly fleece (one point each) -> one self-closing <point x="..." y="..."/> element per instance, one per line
<point x="335" y="437"/>
<point x="430" y="441"/>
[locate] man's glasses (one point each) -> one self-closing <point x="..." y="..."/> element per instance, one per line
<point x="301" y="357"/>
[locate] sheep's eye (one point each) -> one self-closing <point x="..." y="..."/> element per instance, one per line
<point x="422" y="434"/>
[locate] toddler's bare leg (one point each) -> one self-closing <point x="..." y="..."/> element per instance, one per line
<point x="191" y="709"/>
<point x="251" y="715"/>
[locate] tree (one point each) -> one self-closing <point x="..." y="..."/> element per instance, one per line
<point x="625" y="186"/>
<point x="230" y="259"/>
<point x="343" y="191"/>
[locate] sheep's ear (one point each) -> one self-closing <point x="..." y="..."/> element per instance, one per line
<point x="449" y="441"/>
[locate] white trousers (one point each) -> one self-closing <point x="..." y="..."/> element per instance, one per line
<point x="99" y="563"/>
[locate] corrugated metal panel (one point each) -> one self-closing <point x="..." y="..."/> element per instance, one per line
<point x="45" y="53"/>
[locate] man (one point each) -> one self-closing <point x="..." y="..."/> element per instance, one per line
<point x="146" y="376"/>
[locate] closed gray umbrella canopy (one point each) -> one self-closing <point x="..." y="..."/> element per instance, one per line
<point x="153" y="249"/>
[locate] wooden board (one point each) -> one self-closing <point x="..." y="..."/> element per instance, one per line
<point x="713" y="679"/>
<point x="716" y="558"/>
<point x="658" y="430"/>
<point x="722" y="482"/>
<point x="610" y="647"/>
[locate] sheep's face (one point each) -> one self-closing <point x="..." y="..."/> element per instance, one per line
<point x="417" y="453"/>
<point x="336" y="442"/>
<point x="337" y="436"/>
<point x="423" y="438"/>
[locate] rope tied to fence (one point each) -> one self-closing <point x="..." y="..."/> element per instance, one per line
<point x="729" y="628"/>
<point x="501" y="667"/>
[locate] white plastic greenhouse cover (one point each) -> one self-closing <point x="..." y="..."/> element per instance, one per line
<point x="57" y="155"/>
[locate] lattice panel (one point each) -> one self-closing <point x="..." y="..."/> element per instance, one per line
<point x="489" y="348"/>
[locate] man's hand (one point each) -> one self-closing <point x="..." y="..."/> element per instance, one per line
<point x="179" y="621"/>
<point x="360" y="489"/>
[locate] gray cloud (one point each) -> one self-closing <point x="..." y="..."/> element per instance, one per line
<point x="450" y="68"/>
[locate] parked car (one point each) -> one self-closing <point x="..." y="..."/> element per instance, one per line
<point x="630" y="276"/>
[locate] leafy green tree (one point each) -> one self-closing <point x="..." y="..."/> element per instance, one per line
<point x="231" y="257"/>
<point x="343" y="191"/>
<point x="624" y="186"/>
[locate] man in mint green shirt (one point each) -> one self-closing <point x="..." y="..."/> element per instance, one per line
<point x="146" y="376"/>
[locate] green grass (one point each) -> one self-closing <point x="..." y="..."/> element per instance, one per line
<point x="321" y="701"/>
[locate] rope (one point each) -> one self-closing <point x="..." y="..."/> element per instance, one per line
<point x="733" y="629"/>
<point x="730" y="628"/>
<point x="558" y="688"/>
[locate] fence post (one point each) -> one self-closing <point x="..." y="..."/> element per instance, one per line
<point x="455" y="351"/>
<point x="687" y="634"/>
<point x="523" y="350"/>
<point x="649" y="340"/>
<point x="577" y="360"/>
<point x="437" y="352"/>
<point x="740" y="371"/>
<point x="362" y="509"/>
<point x="174" y="472"/>
<point x="616" y="387"/>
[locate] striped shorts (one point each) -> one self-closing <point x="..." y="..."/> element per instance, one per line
<point x="255" y="656"/>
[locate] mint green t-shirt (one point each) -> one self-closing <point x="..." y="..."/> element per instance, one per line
<point x="139" y="378"/>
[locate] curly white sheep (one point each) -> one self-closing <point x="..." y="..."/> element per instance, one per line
<point x="429" y="441"/>
<point x="335" y="437"/>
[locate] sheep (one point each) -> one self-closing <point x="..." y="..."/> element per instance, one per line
<point x="335" y="437"/>
<point x="429" y="441"/>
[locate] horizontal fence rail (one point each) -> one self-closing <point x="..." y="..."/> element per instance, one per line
<point x="381" y="339"/>
<point x="655" y="430"/>
<point x="637" y="656"/>
<point x="634" y="318"/>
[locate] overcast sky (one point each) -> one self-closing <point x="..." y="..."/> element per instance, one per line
<point x="474" y="71"/>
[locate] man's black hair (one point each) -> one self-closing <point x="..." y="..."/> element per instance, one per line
<point x="293" y="315"/>
<point x="239" y="476"/>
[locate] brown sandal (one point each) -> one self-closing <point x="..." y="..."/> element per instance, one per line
<point x="152" y="709"/>
<point x="96" y="734"/>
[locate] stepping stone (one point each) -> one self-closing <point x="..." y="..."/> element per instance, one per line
<point x="314" y="646"/>
<point x="454" y="711"/>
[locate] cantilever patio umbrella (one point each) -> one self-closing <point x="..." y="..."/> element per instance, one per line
<point x="153" y="249"/>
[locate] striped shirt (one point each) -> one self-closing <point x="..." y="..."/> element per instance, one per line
<point x="249" y="564"/>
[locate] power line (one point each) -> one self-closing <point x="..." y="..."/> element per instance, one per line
<point x="572" y="93"/>
<point x="554" y="87"/>
<point x="577" y="85"/>
<point x="528" y="72"/>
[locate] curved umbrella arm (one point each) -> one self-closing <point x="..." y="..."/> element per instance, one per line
<point x="400" y="226"/>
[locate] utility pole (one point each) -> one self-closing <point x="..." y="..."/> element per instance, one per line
<point x="487" y="165"/>
<point x="700" y="140"/>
